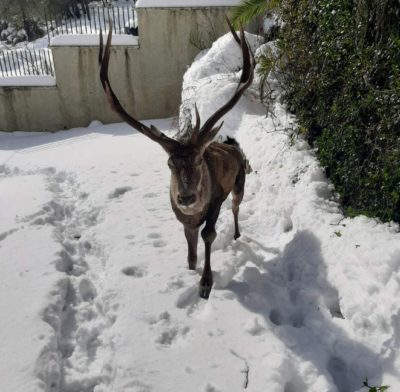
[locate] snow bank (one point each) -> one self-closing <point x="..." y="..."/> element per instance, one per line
<point x="332" y="290"/>
<point x="215" y="73"/>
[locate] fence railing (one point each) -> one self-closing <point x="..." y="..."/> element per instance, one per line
<point x="26" y="62"/>
<point x="96" y="17"/>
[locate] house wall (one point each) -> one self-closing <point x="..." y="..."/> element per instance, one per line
<point x="146" y="76"/>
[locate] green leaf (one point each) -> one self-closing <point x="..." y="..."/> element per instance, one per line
<point x="249" y="9"/>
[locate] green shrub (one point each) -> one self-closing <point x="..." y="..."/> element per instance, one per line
<point x="341" y="77"/>
<point x="342" y="80"/>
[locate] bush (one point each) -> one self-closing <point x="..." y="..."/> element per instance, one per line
<point x="341" y="77"/>
<point x="342" y="80"/>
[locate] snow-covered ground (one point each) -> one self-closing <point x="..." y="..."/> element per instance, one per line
<point x="95" y="294"/>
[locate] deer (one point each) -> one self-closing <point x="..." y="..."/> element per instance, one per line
<point x="203" y="172"/>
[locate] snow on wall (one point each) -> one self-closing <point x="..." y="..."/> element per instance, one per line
<point x="28" y="81"/>
<point x="186" y="3"/>
<point x="93" y="40"/>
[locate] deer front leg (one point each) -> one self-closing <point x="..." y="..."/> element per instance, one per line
<point x="208" y="234"/>
<point x="192" y="236"/>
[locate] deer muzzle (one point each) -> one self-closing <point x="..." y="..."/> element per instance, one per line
<point x="186" y="200"/>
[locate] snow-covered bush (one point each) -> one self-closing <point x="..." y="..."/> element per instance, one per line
<point x="222" y="62"/>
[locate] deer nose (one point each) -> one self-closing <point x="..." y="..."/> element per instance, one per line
<point x="186" y="200"/>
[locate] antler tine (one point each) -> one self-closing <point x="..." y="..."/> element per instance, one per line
<point x="208" y="131"/>
<point x="236" y="37"/>
<point x="152" y="132"/>
<point x="197" y="125"/>
<point x="232" y="30"/>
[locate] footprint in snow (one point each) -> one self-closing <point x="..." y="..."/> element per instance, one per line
<point x="295" y="320"/>
<point x="335" y="310"/>
<point x="87" y="290"/>
<point x="159" y="244"/>
<point x="150" y="195"/>
<point x="172" y="285"/>
<point x="337" y="368"/>
<point x="210" y="388"/>
<point x="189" y="297"/>
<point x="154" y="235"/>
<point x="4" y="235"/>
<point x="118" y="192"/>
<point x="134" y="271"/>
<point x="171" y="334"/>
<point x="163" y="317"/>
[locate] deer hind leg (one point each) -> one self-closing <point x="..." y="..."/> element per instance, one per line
<point x="192" y="236"/>
<point x="237" y="197"/>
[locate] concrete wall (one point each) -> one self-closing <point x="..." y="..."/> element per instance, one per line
<point x="147" y="78"/>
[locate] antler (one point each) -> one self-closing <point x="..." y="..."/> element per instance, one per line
<point x="208" y="130"/>
<point x="152" y="132"/>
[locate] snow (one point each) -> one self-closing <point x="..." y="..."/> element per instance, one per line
<point x="92" y="40"/>
<point x="96" y="294"/>
<point x="186" y="3"/>
<point x="34" y="80"/>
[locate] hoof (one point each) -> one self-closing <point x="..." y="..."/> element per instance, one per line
<point x="236" y="236"/>
<point x="204" y="290"/>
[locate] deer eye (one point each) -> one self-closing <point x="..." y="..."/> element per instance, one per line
<point x="170" y="163"/>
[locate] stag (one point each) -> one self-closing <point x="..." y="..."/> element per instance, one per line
<point x="203" y="172"/>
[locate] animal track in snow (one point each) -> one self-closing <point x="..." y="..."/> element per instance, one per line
<point x="154" y="235"/>
<point x="150" y="195"/>
<point x="210" y="388"/>
<point x="337" y="368"/>
<point x="174" y="284"/>
<point x="171" y="334"/>
<point x="296" y="320"/>
<point x="4" y="235"/>
<point x="77" y="313"/>
<point x="335" y="310"/>
<point x="134" y="271"/>
<point x="159" y="244"/>
<point x="254" y="328"/>
<point x="118" y="192"/>
<point x="167" y="331"/>
<point x="188" y="298"/>
<point x="87" y="290"/>
<point x="275" y="317"/>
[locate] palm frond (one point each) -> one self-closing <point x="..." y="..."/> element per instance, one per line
<point x="249" y="9"/>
